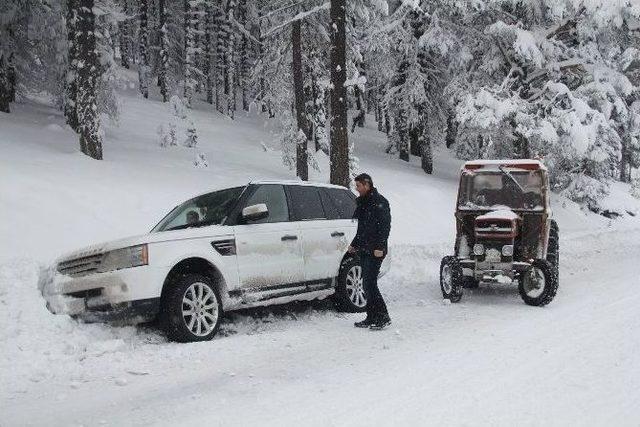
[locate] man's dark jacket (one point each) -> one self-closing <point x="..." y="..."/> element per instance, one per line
<point x="374" y="223"/>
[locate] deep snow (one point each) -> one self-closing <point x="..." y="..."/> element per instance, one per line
<point x="490" y="360"/>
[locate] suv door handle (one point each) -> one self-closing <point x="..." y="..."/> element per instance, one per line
<point x="289" y="237"/>
<point x="337" y="234"/>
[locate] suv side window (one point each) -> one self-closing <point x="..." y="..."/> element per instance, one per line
<point x="330" y="207"/>
<point x="273" y="196"/>
<point x="305" y="203"/>
<point x="344" y="200"/>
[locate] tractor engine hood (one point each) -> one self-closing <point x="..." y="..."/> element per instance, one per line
<point x="499" y="224"/>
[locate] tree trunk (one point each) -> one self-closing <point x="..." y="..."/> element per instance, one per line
<point x="315" y="107"/>
<point x="230" y="61"/>
<point x="5" y="92"/>
<point x="359" y="106"/>
<point x="403" y="135"/>
<point x="124" y="36"/>
<point x="220" y="64"/>
<point x="88" y="77"/>
<point x="188" y="85"/>
<point x="163" y="72"/>
<point x="387" y="121"/>
<point x="372" y="104"/>
<point x="426" y="154"/>
<point x="11" y="77"/>
<point x="624" y="159"/>
<point x="302" y="164"/>
<point x="71" y="86"/>
<point x="338" y="135"/>
<point x="208" y="59"/>
<point x="415" y="140"/>
<point x="452" y="129"/>
<point x="244" y="65"/>
<point x="143" y="48"/>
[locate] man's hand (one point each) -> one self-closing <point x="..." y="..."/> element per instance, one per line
<point x="378" y="253"/>
<point x="351" y="249"/>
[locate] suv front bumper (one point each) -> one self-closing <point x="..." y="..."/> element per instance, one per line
<point x="131" y="294"/>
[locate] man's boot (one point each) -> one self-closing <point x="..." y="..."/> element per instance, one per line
<point x="364" y="323"/>
<point x="380" y="324"/>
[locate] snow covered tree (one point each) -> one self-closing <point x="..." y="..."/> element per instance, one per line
<point x="192" y="135"/>
<point x="550" y="82"/>
<point x="421" y="46"/>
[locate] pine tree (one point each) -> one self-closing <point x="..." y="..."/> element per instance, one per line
<point x="89" y="73"/>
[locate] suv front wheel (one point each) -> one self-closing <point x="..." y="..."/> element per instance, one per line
<point x="350" y="294"/>
<point x="191" y="309"/>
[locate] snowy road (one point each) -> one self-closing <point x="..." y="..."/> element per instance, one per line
<point x="490" y="360"/>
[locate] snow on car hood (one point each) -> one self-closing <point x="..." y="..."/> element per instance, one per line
<point x="499" y="214"/>
<point x="156" y="237"/>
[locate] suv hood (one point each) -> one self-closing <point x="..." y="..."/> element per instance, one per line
<point x="150" y="238"/>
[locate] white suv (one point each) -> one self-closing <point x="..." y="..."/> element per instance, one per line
<point x="264" y="243"/>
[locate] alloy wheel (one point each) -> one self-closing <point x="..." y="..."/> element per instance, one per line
<point x="200" y="309"/>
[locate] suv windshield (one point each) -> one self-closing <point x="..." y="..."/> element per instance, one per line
<point x="517" y="189"/>
<point x="208" y="209"/>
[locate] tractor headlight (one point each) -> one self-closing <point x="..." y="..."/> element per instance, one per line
<point x="478" y="249"/>
<point x="507" y="250"/>
<point x="133" y="256"/>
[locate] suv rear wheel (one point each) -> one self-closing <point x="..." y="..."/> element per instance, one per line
<point x="191" y="309"/>
<point x="350" y="294"/>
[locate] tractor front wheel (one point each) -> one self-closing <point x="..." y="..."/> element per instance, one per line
<point x="451" y="279"/>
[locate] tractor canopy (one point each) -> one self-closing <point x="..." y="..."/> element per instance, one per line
<point x="489" y="185"/>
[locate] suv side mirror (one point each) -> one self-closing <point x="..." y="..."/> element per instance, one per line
<point x="255" y="212"/>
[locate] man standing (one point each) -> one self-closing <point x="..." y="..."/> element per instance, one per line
<point x="374" y="224"/>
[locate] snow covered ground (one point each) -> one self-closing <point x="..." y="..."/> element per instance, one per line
<point x="490" y="360"/>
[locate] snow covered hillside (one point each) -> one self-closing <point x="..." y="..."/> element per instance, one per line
<point x="489" y="360"/>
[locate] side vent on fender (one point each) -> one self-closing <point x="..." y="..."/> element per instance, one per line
<point x="225" y="247"/>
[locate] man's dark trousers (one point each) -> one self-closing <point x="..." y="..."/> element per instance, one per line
<point x="376" y="308"/>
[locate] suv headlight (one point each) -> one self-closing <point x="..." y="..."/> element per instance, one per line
<point x="507" y="250"/>
<point x="133" y="256"/>
<point x="478" y="249"/>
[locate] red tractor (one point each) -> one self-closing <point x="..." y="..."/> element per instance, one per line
<point x="504" y="231"/>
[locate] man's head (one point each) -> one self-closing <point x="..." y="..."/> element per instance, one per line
<point x="192" y="217"/>
<point x="364" y="183"/>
